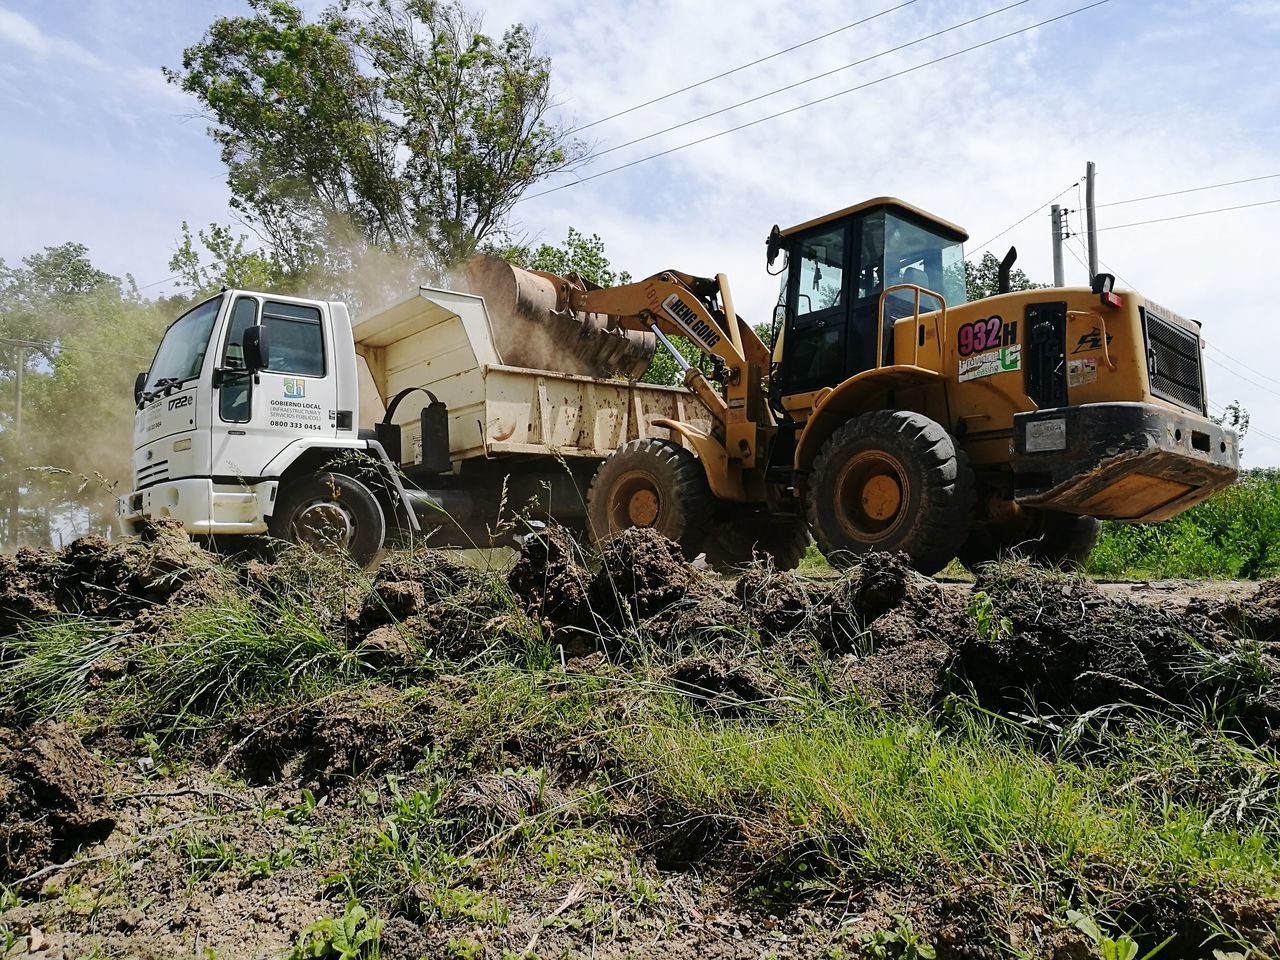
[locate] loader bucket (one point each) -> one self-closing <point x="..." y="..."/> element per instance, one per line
<point x="528" y="331"/>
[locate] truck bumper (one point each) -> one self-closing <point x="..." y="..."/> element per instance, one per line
<point x="202" y="506"/>
<point x="1120" y="461"/>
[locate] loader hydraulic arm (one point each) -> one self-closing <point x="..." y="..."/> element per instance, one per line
<point x="701" y="310"/>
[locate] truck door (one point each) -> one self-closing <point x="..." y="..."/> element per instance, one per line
<point x="294" y="398"/>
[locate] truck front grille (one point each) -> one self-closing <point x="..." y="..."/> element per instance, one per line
<point x="153" y="473"/>
<point x="1173" y="362"/>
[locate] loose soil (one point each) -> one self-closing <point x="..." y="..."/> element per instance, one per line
<point x="229" y="838"/>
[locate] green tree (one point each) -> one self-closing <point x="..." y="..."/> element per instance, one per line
<point x="388" y="123"/>
<point x="578" y="254"/>
<point x="230" y="263"/>
<point x="982" y="279"/>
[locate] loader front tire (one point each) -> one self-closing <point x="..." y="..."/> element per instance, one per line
<point x="333" y="513"/>
<point x="651" y="483"/>
<point x="891" y="480"/>
<point x="740" y="537"/>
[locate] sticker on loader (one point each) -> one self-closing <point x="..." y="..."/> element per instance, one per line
<point x="1080" y="372"/>
<point x="1004" y="360"/>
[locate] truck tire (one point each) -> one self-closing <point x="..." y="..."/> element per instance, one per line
<point x="651" y="483"/>
<point x="1052" y="539"/>
<point x="738" y="538"/>
<point x="331" y="512"/>
<point x="891" y="480"/>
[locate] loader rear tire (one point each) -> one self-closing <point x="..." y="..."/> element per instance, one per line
<point x="891" y="480"/>
<point x="651" y="483"/>
<point x="741" y="537"/>
<point x="1048" y="538"/>
<point x="333" y="513"/>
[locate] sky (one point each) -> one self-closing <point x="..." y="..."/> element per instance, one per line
<point x="96" y="147"/>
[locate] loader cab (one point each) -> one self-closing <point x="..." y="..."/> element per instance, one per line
<point x="837" y="268"/>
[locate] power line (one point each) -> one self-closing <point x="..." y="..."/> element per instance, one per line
<point x="50" y="347"/>
<point x="1240" y="376"/>
<point x="1242" y="363"/>
<point x="1018" y="223"/>
<point x="812" y="103"/>
<point x="1178" y="193"/>
<point x="753" y="63"/>
<point x="801" y="83"/>
<point x="1187" y="216"/>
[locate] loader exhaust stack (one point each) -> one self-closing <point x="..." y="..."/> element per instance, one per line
<point x="530" y="331"/>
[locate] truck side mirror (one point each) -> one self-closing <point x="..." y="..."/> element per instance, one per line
<point x="256" y="349"/>
<point x="139" y="384"/>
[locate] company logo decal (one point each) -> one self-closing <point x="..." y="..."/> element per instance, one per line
<point x="184" y="401"/>
<point x="294" y="389"/>
<point x="692" y="324"/>
<point x="1091" y="341"/>
<point x="1004" y="360"/>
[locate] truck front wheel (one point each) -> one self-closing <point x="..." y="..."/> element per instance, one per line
<point x="891" y="480"/>
<point x="331" y="512"/>
<point x="651" y="483"/>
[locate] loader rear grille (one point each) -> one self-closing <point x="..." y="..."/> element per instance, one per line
<point x="1173" y="362"/>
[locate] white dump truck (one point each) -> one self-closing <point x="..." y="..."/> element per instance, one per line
<point x="274" y="414"/>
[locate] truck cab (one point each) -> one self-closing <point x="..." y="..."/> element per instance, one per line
<point x="241" y="386"/>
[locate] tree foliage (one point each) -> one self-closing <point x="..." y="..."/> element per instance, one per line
<point x="388" y="123"/>
<point x="79" y="337"/>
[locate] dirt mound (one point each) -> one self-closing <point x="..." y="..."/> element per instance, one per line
<point x="48" y="788"/>
<point x="1061" y="642"/>
<point x="550" y="579"/>
<point x="426" y="604"/>
<point x="726" y="687"/>
<point x="1256" y="616"/>
<point x="911" y="674"/>
<point x="325" y="744"/>
<point x="94" y="577"/>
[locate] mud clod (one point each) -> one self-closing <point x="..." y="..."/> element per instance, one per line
<point x="550" y="579"/>
<point x="326" y="744"/>
<point x="49" y="785"/>
<point x="642" y="574"/>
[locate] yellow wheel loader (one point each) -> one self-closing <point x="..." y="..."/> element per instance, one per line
<point x="892" y="414"/>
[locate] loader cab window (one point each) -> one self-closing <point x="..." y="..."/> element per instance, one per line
<point x="818" y="294"/>
<point x="916" y="255"/>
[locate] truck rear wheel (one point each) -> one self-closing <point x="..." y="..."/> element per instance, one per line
<point x="651" y="483"/>
<point x="891" y="480"/>
<point x="331" y="512"/>
<point x="739" y="537"/>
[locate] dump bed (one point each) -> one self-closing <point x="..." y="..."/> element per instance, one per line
<point x="443" y="341"/>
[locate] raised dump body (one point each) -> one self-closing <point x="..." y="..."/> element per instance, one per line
<point x="442" y="342"/>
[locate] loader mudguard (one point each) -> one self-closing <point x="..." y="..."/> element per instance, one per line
<point x="724" y="476"/>
<point x="859" y="394"/>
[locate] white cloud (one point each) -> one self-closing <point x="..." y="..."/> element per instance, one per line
<point x="17" y="29"/>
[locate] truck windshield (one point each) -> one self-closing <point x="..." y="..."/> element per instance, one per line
<point x="181" y="353"/>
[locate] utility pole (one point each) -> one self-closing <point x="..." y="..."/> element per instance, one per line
<point x="1091" y="220"/>
<point x="1055" y="216"/>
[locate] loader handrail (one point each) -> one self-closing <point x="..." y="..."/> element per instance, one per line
<point x="939" y="323"/>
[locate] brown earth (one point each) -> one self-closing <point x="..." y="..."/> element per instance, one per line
<point x="229" y="847"/>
